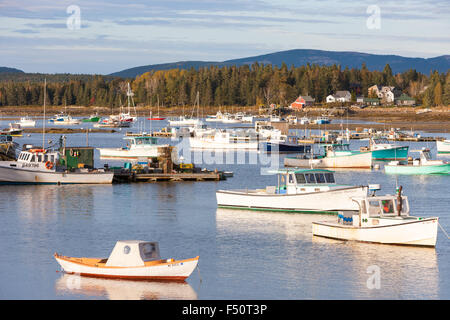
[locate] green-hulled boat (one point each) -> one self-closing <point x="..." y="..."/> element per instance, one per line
<point x="424" y="165"/>
<point x="382" y="149"/>
<point x="94" y="118"/>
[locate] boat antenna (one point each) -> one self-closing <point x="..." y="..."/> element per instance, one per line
<point x="43" y="127"/>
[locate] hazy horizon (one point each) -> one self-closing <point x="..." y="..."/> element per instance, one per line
<point x="102" y="37"/>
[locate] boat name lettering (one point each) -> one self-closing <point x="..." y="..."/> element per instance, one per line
<point x="33" y="165"/>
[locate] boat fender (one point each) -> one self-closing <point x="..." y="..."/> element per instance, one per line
<point x="49" y="165"/>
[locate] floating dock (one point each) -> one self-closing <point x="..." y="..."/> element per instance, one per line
<point x="130" y="176"/>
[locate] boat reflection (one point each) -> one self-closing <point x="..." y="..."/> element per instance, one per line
<point x="405" y="272"/>
<point x="70" y="284"/>
<point x="291" y="225"/>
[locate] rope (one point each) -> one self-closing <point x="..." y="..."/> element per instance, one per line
<point x="443" y="230"/>
<point x="198" y="269"/>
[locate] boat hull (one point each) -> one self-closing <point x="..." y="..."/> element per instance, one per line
<point x="395" y="153"/>
<point x="282" y="147"/>
<point x="175" y="270"/>
<point x="423" y="169"/>
<point x="128" y="154"/>
<point x="355" y="160"/>
<point x="329" y="202"/>
<point x="416" y="233"/>
<point x="443" y="146"/>
<point x="22" y="176"/>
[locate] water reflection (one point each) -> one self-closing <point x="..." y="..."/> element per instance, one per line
<point x="324" y="268"/>
<point x="69" y="284"/>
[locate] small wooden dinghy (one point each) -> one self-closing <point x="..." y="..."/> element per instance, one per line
<point x="132" y="259"/>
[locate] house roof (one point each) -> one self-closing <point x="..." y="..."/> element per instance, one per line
<point x="404" y="96"/>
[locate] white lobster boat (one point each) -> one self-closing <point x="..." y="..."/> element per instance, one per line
<point x="443" y="146"/>
<point x="26" y="122"/>
<point x="335" y="156"/>
<point x="39" y="166"/>
<point x="137" y="147"/>
<point x="380" y="219"/>
<point x="183" y="121"/>
<point x="302" y="191"/>
<point x="132" y="259"/>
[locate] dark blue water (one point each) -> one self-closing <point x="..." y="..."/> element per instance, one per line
<point x="243" y="255"/>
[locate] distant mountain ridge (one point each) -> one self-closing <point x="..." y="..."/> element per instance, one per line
<point x="10" y="70"/>
<point x="299" y="57"/>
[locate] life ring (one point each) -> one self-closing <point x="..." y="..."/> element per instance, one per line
<point x="49" y="165"/>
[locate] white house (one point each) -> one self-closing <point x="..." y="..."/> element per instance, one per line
<point x="387" y="94"/>
<point x="339" y="96"/>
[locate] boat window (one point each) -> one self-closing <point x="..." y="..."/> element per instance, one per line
<point x="310" y="178"/>
<point x="39" y="157"/>
<point x="46" y="158"/>
<point x="320" y="178"/>
<point x="300" y="178"/>
<point x="126" y="249"/>
<point x="52" y="158"/>
<point x="374" y="208"/>
<point x="149" y="251"/>
<point x="329" y="177"/>
<point x="32" y="159"/>
<point x="28" y="156"/>
<point x="291" y="178"/>
<point x="388" y="206"/>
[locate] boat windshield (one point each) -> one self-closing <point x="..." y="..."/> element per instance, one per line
<point x="381" y="141"/>
<point x="386" y="207"/>
<point x="304" y="178"/>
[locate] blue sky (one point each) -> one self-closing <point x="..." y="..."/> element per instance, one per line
<point x="118" y="34"/>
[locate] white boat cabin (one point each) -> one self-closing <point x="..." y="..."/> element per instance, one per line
<point x="377" y="210"/>
<point x="141" y="142"/>
<point x="133" y="253"/>
<point x="37" y="159"/>
<point x="380" y="143"/>
<point x="303" y="181"/>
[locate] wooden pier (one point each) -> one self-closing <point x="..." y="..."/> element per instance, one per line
<point x="130" y="176"/>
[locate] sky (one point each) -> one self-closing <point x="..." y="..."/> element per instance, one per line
<point x="105" y="36"/>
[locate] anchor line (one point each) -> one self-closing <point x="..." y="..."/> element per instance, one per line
<point x="443" y="230"/>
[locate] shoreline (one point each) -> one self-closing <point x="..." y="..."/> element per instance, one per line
<point x="404" y="118"/>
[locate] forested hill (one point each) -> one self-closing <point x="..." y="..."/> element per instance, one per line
<point x="244" y="85"/>
<point x="301" y="57"/>
<point x="10" y="70"/>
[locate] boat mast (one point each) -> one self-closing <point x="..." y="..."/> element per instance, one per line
<point x="43" y="127"/>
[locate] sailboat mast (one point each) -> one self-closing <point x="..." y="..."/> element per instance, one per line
<point x="43" y="127"/>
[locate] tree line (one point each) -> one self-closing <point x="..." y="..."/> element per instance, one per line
<point x="248" y="85"/>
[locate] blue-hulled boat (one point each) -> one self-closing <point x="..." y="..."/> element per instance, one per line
<point x="290" y="144"/>
<point x="382" y="149"/>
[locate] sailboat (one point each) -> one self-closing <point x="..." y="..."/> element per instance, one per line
<point x="158" y="118"/>
<point x="184" y="121"/>
<point x="127" y="117"/>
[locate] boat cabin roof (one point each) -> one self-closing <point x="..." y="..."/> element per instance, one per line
<point x="133" y="253"/>
<point x="37" y="155"/>
<point x="142" y="140"/>
<point x="286" y="171"/>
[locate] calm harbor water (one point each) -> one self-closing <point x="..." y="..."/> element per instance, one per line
<point x="243" y="254"/>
